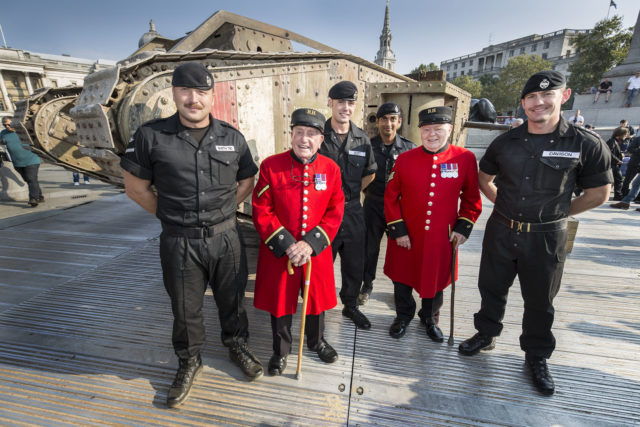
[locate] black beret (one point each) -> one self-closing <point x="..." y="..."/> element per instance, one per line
<point x="388" y="108"/>
<point x="544" y="80"/>
<point x="344" y="90"/>
<point x="308" y="117"/>
<point x="434" y="115"/>
<point x="193" y="75"/>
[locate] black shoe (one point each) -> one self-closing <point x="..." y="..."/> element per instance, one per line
<point x="398" y="328"/>
<point x="434" y="332"/>
<point x="326" y="353"/>
<point x="242" y="356"/>
<point x="40" y="199"/>
<point x="187" y="372"/>
<point x="356" y="317"/>
<point x="540" y="374"/>
<point x="620" y="205"/>
<point x="476" y="343"/>
<point x="277" y="364"/>
<point x="33" y="202"/>
<point x="365" y="293"/>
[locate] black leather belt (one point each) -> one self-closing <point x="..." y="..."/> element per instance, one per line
<point x="198" y="232"/>
<point x="529" y="227"/>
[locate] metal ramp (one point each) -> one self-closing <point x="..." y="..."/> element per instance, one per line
<point x="85" y="331"/>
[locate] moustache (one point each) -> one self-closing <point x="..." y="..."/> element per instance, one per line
<point x="196" y="106"/>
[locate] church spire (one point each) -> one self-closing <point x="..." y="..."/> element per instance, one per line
<point x="385" y="56"/>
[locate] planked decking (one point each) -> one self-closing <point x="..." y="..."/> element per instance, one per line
<point x="85" y="331"/>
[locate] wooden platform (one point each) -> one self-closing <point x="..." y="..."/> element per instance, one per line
<point x="85" y="328"/>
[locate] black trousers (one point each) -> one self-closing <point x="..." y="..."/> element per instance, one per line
<point x="281" y="331"/>
<point x="406" y="305"/>
<point x="375" y="227"/>
<point x="632" y="170"/>
<point x="617" y="180"/>
<point x="538" y="261"/>
<point x="188" y="265"/>
<point x="30" y="175"/>
<point x="349" y="243"/>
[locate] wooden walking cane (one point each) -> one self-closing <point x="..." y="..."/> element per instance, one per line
<point x="305" y="300"/>
<point x="453" y="285"/>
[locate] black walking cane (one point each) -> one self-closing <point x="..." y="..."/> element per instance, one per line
<point x="454" y="253"/>
<point x="305" y="300"/>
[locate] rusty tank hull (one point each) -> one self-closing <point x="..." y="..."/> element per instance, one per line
<point x="87" y="130"/>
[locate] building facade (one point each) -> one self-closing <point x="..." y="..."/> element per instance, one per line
<point x="555" y="47"/>
<point x="22" y="72"/>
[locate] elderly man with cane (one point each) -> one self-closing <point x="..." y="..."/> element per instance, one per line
<point x="431" y="203"/>
<point x="298" y="206"/>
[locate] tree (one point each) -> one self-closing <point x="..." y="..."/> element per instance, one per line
<point x="513" y="78"/>
<point x="599" y="50"/>
<point x="422" y="68"/>
<point x="468" y="84"/>
<point x="489" y="83"/>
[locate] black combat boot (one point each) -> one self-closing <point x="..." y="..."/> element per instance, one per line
<point x="540" y="374"/>
<point x="187" y="372"/>
<point x="240" y="354"/>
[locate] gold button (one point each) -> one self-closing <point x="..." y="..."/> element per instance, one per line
<point x="304" y="225"/>
<point x="428" y="212"/>
<point x="426" y="227"/>
<point x="304" y="199"/>
<point x="304" y="208"/>
<point x="433" y="175"/>
<point x="431" y="194"/>
<point x="430" y="203"/>
<point x="306" y="192"/>
<point x="433" y="184"/>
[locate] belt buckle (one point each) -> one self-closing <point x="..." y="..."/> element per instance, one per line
<point x="519" y="226"/>
<point x="206" y="232"/>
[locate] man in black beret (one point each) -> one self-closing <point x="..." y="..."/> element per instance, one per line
<point x="202" y="169"/>
<point x="538" y="166"/>
<point x="347" y="145"/>
<point x="387" y="146"/>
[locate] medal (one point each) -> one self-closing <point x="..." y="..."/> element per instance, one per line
<point x="320" y="181"/>
<point x="449" y="170"/>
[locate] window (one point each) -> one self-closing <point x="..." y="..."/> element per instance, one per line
<point x="463" y="64"/>
<point x="546" y="45"/>
<point x="534" y="47"/>
<point x="462" y="73"/>
<point x="544" y="56"/>
<point x="455" y="66"/>
<point x="470" y="62"/>
<point x="455" y="74"/>
<point x="511" y="52"/>
<point x="521" y="50"/>
<point x="568" y="53"/>
<point x="448" y="67"/>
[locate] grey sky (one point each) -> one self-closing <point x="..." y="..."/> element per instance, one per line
<point x="423" y="30"/>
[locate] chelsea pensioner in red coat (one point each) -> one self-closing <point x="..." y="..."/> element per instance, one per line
<point x="431" y="197"/>
<point x="298" y="206"/>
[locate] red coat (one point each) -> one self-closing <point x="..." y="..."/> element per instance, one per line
<point x="286" y="211"/>
<point x="422" y="194"/>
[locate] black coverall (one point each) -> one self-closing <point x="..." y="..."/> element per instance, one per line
<point x="196" y="180"/>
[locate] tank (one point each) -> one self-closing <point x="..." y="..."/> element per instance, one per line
<point x="259" y="80"/>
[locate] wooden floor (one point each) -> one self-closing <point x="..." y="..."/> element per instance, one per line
<point x="85" y="328"/>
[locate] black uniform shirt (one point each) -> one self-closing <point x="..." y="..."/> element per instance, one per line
<point x="196" y="182"/>
<point x="385" y="156"/>
<point x="354" y="156"/>
<point x="536" y="174"/>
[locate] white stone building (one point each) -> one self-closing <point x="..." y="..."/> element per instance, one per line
<point x="555" y="47"/>
<point x="22" y="72"/>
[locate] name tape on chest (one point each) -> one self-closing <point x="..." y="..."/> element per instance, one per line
<point x="130" y="150"/>
<point x="225" y="148"/>
<point x="357" y="153"/>
<point x="563" y="154"/>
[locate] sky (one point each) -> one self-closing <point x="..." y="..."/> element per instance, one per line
<point x="423" y="31"/>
